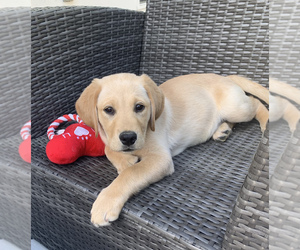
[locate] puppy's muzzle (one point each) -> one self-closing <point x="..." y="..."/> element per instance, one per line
<point x="128" y="138"/>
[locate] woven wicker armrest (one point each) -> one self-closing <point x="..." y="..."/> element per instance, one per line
<point x="14" y="112"/>
<point x="15" y="194"/>
<point x="14" y="70"/>
<point x="249" y="222"/>
<point x="285" y="171"/>
<point x="284" y="197"/>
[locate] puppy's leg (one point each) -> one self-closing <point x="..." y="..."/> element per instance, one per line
<point x="241" y="108"/>
<point x="223" y="131"/>
<point x="262" y="114"/>
<point x="151" y="168"/>
<point x="291" y="115"/>
<point x="120" y="160"/>
<point x="282" y="108"/>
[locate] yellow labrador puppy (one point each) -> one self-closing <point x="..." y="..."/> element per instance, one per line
<point x="144" y="125"/>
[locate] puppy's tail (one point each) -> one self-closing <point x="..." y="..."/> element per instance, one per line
<point x="284" y="89"/>
<point x="251" y="87"/>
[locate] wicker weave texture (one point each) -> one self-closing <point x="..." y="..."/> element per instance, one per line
<point x="189" y="209"/>
<point x="249" y="222"/>
<point x="195" y="203"/>
<point x="284" y="181"/>
<point x="15" y="191"/>
<point x="280" y="135"/>
<point x="14" y="112"/>
<point x="62" y="197"/>
<point x="224" y="37"/>
<point x="14" y="70"/>
<point x="70" y="47"/>
<point x="284" y="198"/>
<point x="284" y="41"/>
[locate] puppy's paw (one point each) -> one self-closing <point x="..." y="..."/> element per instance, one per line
<point x="130" y="160"/>
<point x="222" y="133"/>
<point x="127" y="161"/>
<point x="106" y="208"/>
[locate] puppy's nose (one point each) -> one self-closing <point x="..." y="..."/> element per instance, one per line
<point x="128" y="138"/>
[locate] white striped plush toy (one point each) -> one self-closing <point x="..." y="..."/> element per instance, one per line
<point x="25" y="146"/>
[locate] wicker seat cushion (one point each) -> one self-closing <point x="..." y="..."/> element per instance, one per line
<point x="191" y="208"/>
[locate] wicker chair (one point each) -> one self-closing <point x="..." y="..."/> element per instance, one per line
<point x="218" y="195"/>
<point x="14" y="112"/>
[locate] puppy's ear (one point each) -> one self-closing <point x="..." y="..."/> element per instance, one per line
<point x="156" y="97"/>
<point x="86" y="105"/>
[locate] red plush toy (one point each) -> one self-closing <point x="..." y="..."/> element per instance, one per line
<point x="25" y="146"/>
<point x="76" y="140"/>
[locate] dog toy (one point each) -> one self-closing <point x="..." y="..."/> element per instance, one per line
<point x="75" y="141"/>
<point x="25" y="146"/>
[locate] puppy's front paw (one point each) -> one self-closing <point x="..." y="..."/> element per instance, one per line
<point x="106" y="208"/>
<point x="132" y="159"/>
<point x="126" y="162"/>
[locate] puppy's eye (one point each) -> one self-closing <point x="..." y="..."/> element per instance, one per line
<point x="109" y="110"/>
<point x="139" y="108"/>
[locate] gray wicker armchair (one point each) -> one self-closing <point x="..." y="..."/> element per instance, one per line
<point x="14" y="113"/>
<point x="218" y="195"/>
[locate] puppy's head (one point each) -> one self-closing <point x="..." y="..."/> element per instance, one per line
<point x="121" y="108"/>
